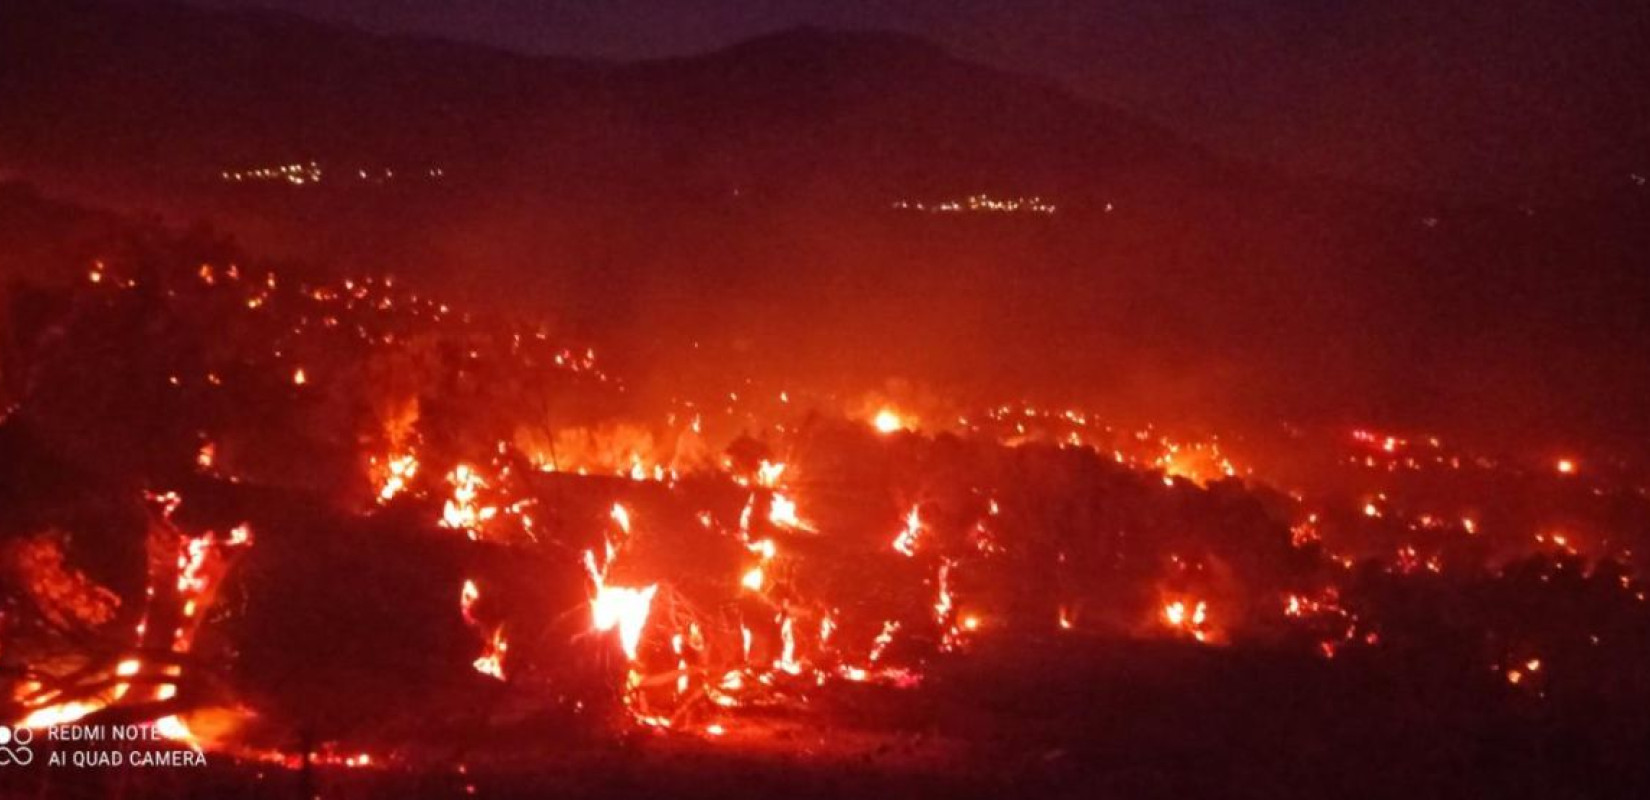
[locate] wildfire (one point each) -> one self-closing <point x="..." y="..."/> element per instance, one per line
<point x="793" y="632"/>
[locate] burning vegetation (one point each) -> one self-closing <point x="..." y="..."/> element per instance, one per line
<point x="300" y="522"/>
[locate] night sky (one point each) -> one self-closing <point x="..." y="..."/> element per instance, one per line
<point x="1459" y="94"/>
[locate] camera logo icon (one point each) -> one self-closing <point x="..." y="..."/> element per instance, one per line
<point x="14" y="746"/>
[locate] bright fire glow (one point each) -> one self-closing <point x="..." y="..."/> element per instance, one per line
<point x="618" y="608"/>
<point x="1188" y="618"/>
<point x="624" y="610"/>
<point x="906" y="541"/>
<point x="397" y="473"/>
<point x="752" y="579"/>
<point x="782" y="512"/>
<point x="888" y="421"/>
<point x="462" y="511"/>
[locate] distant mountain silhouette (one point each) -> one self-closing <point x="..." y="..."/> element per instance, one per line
<point x="177" y="91"/>
<point x="749" y="194"/>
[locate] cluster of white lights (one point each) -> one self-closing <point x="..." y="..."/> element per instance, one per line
<point x="309" y="173"/>
<point x="981" y="203"/>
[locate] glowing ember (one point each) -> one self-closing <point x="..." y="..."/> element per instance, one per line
<point x="491" y="660"/>
<point x="906" y="542"/>
<point x="467" y="598"/>
<point x="397" y="473"/>
<point x="206" y="456"/>
<point x="787" y="657"/>
<point x="1188" y="618"/>
<point x="462" y="511"/>
<point x="885" y="638"/>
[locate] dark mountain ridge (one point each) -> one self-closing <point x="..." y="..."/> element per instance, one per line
<point x="748" y="196"/>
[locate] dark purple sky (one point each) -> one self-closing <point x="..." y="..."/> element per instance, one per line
<point x="1458" y="94"/>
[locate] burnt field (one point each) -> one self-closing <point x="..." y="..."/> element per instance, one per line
<point x="344" y="539"/>
<point x="1084" y="718"/>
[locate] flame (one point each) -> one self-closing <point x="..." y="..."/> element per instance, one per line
<point x="906" y="542"/>
<point x="479" y="494"/>
<point x="175" y="729"/>
<point x="467" y="598"/>
<point x="617" y="607"/>
<point x="787" y="657"/>
<point x="782" y="512"/>
<point x="201" y="562"/>
<point x="61" y="714"/>
<point x="944" y="607"/>
<point x="398" y="471"/>
<point x="491" y="660"/>
<point x="767" y="473"/>
<point x="1189" y="618"/>
<point x="462" y="511"/>
<point x="623" y="609"/>
<point x="888" y="421"/>
<point x="885" y="638"/>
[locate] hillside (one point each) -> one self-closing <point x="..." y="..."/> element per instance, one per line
<point x="802" y="200"/>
